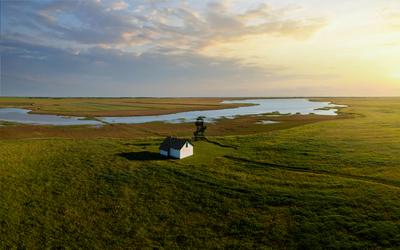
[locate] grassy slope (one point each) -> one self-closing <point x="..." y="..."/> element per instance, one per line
<point x="333" y="184"/>
<point x="89" y="107"/>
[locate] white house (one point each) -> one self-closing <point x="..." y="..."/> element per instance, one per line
<point x="176" y="148"/>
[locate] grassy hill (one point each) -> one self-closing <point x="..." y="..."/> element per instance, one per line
<point x="332" y="184"/>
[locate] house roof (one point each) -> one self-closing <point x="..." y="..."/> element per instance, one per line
<point x="172" y="142"/>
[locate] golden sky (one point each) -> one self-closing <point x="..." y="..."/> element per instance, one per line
<point x="201" y="48"/>
<point x="355" y="48"/>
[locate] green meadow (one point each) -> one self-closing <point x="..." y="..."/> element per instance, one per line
<point x="328" y="184"/>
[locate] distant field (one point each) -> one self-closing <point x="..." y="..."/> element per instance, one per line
<point x="309" y="182"/>
<point x="90" y="107"/>
<point x="239" y="126"/>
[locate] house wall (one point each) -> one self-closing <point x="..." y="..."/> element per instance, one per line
<point x="186" y="150"/>
<point x="164" y="153"/>
<point x="175" y="153"/>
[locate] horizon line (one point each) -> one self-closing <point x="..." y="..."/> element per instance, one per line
<point x="267" y="97"/>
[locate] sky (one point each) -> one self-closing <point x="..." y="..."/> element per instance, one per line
<point x="200" y="48"/>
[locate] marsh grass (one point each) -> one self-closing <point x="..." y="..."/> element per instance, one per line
<point x="96" y="107"/>
<point x="333" y="185"/>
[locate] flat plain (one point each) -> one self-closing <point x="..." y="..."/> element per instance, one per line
<point x="98" y="107"/>
<point x="308" y="182"/>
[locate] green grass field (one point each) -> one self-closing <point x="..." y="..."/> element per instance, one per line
<point x="320" y="184"/>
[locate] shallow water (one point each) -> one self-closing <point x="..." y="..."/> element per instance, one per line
<point x="267" y="122"/>
<point x="23" y="116"/>
<point x="283" y="106"/>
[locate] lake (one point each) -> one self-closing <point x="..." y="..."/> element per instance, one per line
<point x="261" y="106"/>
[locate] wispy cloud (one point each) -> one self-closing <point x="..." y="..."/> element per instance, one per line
<point x="149" y="24"/>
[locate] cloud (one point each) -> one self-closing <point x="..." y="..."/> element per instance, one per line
<point x="101" y="47"/>
<point x="149" y="24"/>
<point x="43" y="71"/>
<point x="79" y="22"/>
<point x="121" y="5"/>
<point x="263" y="19"/>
